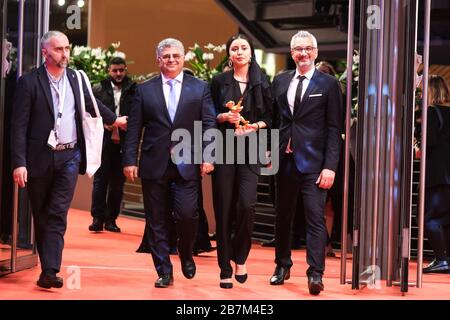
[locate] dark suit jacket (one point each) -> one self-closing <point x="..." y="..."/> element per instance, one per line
<point x="315" y="126"/>
<point x="33" y="119"/>
<point x="150" y="112"/>
<point x="104" y="92"/>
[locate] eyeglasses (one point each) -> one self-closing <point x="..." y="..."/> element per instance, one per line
<point x="118" y="70"/>
<point x="306" y="49"/>
<point x="176" y="56"/>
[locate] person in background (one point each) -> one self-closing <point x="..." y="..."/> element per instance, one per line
<point x="335" y="192"/>
<point x="117" y="93"/>
<point x="437" y="174"/>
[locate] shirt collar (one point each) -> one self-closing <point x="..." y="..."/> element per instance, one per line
<point x="308" y="75"/>
<point x="178" y="78"/>
<point x="51" y="78"/>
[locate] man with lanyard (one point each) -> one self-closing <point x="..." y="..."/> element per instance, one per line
<point x="48" y="147"/>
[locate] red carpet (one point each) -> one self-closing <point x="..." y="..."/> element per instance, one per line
<point x="109" y="268"/>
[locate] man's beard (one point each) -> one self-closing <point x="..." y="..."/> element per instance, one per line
<point x="115" y="82"/>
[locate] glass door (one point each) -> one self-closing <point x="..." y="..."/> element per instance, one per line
<point x="22" y="25"/>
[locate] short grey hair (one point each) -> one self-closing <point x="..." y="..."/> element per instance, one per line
<point x="48" y="35"/>
<point x="166" y="43"/>
<point x="303" y="34"/>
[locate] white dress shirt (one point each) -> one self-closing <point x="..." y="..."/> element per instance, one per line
<point x="166" y="87"/>
<point x="117" y="92"/>
<point x="293" y="87"/>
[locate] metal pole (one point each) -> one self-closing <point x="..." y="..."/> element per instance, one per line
<point x="378" y="138"/>
<point x="351" y="25"/>
<point x="15" y="227"/>
<point x="426" y="55"/>
<point x="393" y="119"/>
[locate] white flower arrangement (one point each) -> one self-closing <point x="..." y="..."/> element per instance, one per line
<point x="94" y="60"/>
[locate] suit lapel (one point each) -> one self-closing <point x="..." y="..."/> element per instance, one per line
<point x="73" y="80"/>
<point x="284" y="91"/>
<point x="186" y="90"/>
<point x="44" y="81"/>
<point x="312" y="84"/>
<point x="161" y="101"/>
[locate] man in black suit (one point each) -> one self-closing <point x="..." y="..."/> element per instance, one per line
<point x="165" y="105"/>
<point x="117" y="93"/>
<point x="48" y="147"/>
<point x="309" y="105"/>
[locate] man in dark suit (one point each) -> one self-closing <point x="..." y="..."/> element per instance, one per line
<point x="117" y="93"/>
<point x="168" y="104"/>
<point x="48" y="147"/>
<point x="309" y="105"/>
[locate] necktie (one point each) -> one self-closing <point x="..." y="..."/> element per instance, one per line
<point x="172" y="99"/>
<point x="298" y="92"/>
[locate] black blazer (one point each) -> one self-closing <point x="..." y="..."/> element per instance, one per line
<point x="257" y="107"/>
<point x="438" y="147"/>
<point x="33" y="119"/>
<point x="149" y="111"/>
<point x="315" y="126"/>
<point x="257" y="101"/>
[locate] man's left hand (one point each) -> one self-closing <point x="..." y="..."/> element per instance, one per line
<point x="206" y="168"/>
<point x="326" y="179"/>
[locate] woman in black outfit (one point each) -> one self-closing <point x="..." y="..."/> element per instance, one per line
<point x="437" y="177"/>
<point x="234" y="185"/>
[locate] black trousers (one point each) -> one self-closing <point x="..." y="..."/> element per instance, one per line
<point x="107" y="191"/>
<point x="290" y="185"/>
<point x="234" y="199"/>
<point x="50" y="198"/>
<point x="170" y="194"/>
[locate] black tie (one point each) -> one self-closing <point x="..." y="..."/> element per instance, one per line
<point x="298" y="92"/>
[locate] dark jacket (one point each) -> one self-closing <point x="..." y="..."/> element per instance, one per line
<point x="438" y="147"/>
<point x="104" y="92"/>
<point x="33" y="119"/>
<point x="257" y="101"/>
<point x="149" y="112"/>
<point x="315" y="127"/>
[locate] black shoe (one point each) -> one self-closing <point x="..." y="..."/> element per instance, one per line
<point x="188" y="268"/>
<point x="270" y="243"/>
<point x="315" y="285"/>
<point x="241" y="278"/>
<point x="279" y="275"/>
<point x="50" y="281"/>
<point x="164" y="281"/>
<point x="226" y="285"/>
<point x="97" y="225"/>
<point x="197" y="251"/>
<point x="112" y="226"/>
<point x="437" y="266"/>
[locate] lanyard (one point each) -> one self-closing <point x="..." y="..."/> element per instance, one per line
<point x="61" y="98"/>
